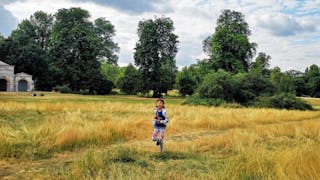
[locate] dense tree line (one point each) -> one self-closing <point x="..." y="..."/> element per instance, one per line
<point x="68" y="51"/>
<point x="229" y="75"/>
<point x="62" y="50"/>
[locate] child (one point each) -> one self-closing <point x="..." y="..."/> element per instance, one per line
<point x="160" y="121"/>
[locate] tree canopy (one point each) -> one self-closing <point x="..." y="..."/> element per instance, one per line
<point x="155" y="54"/>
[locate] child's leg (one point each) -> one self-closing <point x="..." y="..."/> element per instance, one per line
<point x="162" y="131"/>
<point x="155" y="134"/>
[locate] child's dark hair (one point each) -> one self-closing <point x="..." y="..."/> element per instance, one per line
<point x="160" y="99"/>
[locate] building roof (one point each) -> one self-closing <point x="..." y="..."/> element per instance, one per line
<point x="22" y="74"/>
<point x="4" y="64"/>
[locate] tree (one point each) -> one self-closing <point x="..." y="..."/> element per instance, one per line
<point x="282" y="82"/>
<point x="218" y="85"/>
<point x="2" y="51"/>
<point x="74" y="50"/>
<point x="25" y="49"/>
<point x="103" y="86"/>
<point x="261" y="63"/>
<point x="312" y="71"/>
<point x="250" y="86"/>
<point x="112" y="72"/>
<point x="105" y="30"/>
<point x="186" y="82"/>
<point x="42" y="23"/>
<point x="155" y="54"/>
<point x="229" y="47"/>
<point x="130" y="82"/>
<point x="312" y="75"/>
<point x="2" y="39"/>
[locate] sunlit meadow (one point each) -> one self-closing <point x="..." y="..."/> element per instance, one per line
<point x="97" y="137"/>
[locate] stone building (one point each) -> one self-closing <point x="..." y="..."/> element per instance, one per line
<point x="11" y="82"/>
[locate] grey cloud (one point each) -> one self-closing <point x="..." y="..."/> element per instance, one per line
<point x="283" y="25"/>
<point x="7" y="21"/>
<point x="130" y="6"/>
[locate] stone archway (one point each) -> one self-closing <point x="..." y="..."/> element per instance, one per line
<point x="3" y="85"/>
<point x="23" y="86"/>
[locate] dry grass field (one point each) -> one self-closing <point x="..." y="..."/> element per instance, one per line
<point x="60" y="136"/>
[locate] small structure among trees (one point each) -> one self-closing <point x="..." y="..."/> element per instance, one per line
<point x="11" y="82"/>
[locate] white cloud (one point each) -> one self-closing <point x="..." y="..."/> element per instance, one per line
<point x="283" y="25"/>
<point x="195" y="20"/>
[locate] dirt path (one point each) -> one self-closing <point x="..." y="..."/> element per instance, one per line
<point x="11" y="168"/>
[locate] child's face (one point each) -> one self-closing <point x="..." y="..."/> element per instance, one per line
<point x="159" y="104"/>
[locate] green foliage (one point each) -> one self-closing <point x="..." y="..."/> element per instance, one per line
<point x="66" y="49"/>
<point x="27" y="48"/>
<point x="251" y="85"/>
<point x="2" y="39"/>
<point x="103" y="87"/>
<point x="186" y="82"/>
<point x="155" y="55"/>
<point x="229" y="47"/>
<point x="62" y="89"/>
<point x="42" y="24"/>
<point x="283" y="101"/>
<point x="105" y="31"/>
<point x="75" y="50"/>
<point x="130" y="83"/>
<point x="112" y="72"/>
<point x="218" y="85"/>
<point x="312" y="76"/>
<point x="282" y="82"/>
<point x="300" y="86"/>
<point x="261" y="64"/>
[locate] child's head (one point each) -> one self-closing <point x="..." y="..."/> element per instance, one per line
<point x="160" y="103"/>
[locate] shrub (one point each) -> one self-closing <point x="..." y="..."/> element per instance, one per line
<point x="197" y="100"/>
<point x="84" y="91"/>
<point x="104" y="87"/>
<point x="62" y="89"/>
<point x="283" y="101"/>
<point x="186" y="83"/>
<point x="218" y="85"/>
<point x="130" y="82"/>
<point x="250" y="86"/>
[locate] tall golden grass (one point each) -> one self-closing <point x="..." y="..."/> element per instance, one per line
<point x="249" y="143"/>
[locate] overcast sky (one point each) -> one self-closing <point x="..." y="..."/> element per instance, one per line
<point x="287" y="30"/>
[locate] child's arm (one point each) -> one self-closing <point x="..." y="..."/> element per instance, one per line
<point x="166" y="120"/>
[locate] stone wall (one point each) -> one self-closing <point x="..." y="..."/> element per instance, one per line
<point x="7" y="73"/>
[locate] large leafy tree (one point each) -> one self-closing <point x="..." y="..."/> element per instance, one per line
<point x="42" y="23"/>
<point x="77" y="48"/>
<point x="155" y="54"/>
<point x="229" y="47"/>
<point x="105" y="31"/>
<point x="26" y="48"/>
<point x="74" y="49"/>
